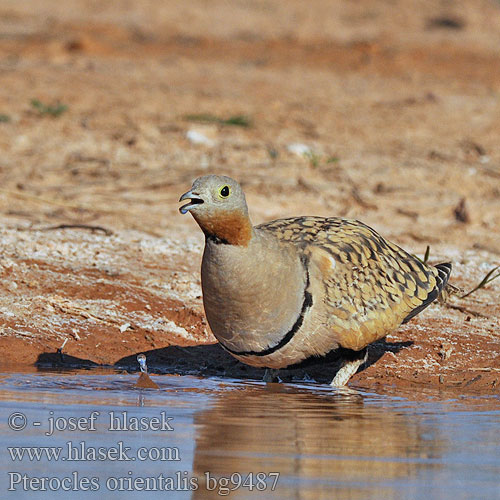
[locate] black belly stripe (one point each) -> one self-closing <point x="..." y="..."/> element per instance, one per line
<point x="308" y="301"/>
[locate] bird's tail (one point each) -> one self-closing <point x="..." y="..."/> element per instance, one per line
<point x="447" y="291"/>
<point x="439" y="292"/>
<point x="444" y="271"/>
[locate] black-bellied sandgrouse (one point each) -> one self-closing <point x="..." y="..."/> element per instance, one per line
<point x="291" y="289"/>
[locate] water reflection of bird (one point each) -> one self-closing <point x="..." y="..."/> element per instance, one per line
<point x="287" y="290"/>
<point x="324" y="446"/>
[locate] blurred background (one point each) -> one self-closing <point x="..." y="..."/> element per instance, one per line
<point x="383" y="110"/>
<point x="375" y="109"/>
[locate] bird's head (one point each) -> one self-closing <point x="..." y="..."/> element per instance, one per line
<point x="218" y="205"/>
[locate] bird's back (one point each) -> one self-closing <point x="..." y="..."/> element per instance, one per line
<point x="369" y="285"/>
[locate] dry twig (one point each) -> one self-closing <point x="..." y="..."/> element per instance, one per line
<point x="487" y="279"/>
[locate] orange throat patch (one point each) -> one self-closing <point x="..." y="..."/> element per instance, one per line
<point x="233" y="228"/>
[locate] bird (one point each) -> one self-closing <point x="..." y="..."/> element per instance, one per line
<point x="293" y="289"/>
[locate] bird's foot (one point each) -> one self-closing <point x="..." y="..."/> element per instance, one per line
<point x="348" y="369"/>
<point x="271" y="375"/>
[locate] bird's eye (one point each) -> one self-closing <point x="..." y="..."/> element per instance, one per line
<point x="224" y="192"/>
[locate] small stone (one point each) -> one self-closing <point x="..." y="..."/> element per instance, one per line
<point x="461" y="213"/>
<point x="299" y="149"/>
<point x="197" y="137"/>
<point x="445" y="350"/>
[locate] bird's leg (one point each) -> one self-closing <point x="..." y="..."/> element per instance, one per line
<point x="349" y="368"/>
<point x="271" y="375"/>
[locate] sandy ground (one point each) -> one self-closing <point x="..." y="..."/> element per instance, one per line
<point x="399" y="111"/>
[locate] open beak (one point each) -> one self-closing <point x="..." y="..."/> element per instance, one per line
<point x="195" y="200"/>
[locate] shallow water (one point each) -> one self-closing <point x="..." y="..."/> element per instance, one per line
<point x="323" y="444"/>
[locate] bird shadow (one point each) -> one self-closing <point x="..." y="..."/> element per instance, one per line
<point x="213" y="360"/>
<point x="379" y="348"/>
<point x="59" y="359"/>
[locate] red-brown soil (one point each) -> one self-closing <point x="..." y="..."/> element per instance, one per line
<point x="400" y="109"/>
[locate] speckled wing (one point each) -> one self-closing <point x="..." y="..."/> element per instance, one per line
<point x="370" y="285"/>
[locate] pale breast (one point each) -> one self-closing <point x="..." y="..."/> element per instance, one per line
<point x="252" y="295"/>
